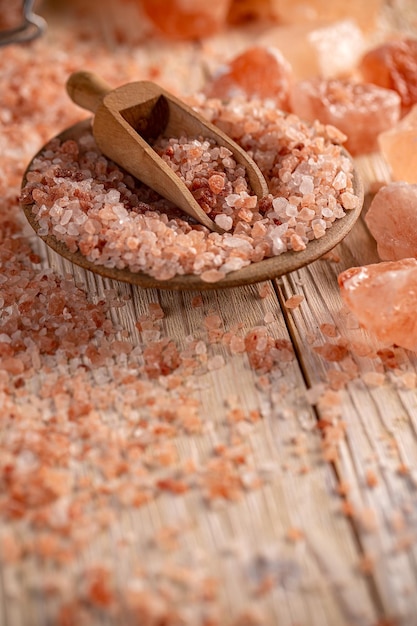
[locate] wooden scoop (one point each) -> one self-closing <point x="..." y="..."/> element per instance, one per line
<point x="130" y="116"/>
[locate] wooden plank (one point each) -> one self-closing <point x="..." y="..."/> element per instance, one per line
<point x="275" y="547"/>
<point x="378" y="449"/>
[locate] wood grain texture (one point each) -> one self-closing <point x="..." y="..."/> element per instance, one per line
<point x="377" y="454"/>
<point x="319" y="525"/>
<point x="283" y="549"/>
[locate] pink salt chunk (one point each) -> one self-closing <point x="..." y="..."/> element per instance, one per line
<point x="393" y="65"/>
<point x="383" y="296"/>
<point x="360" y="111"/>
<point x="177" y="19"/>
<point x="363" y="12"/>
<point x="398" y="146"/>
<point x="258" y="71"/>
<point x="392" y="221"/>
<point x="317" y="48"/>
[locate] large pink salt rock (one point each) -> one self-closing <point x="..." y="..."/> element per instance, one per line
<point x="257" y="72"/>
<point x="364" y="12"/>
<point x="177" y="19"/>
<point x="399" y="148"/>
<point x="392" y="221"/>
<point x="383" y="297"/>
<point x="318" y="48"/>
<point x="361" y="111"/>
<point x="393" y="65"/>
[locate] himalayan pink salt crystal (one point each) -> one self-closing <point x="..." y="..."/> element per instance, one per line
<point x="294" y="301"/>
<point x="360" y="111"/>
<point x="373" y="379"/>
<point x="258" y="71"/>
<point x="318" y="49"/>
<point x="364" y="13"/>
<point x="393" y="65"/>
<point x="212" y="276"/>
<point x="383" y="296"/>
<point x="189" y="19"/>
<point x="398" y="146"/>
<point x="392" y="221"/>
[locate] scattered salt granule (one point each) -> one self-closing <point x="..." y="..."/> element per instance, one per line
<point x="360" y="111"/>
<point x="373" y="379"/>
<point x="257" y="72"/>
<point x="329" y="330"/>
<point x="293" y="301"/>
<point x="398" y="146"/>
<point x="392" y="221"/>
<point x="269" y="317"/>
<point x="383" y="297"/>
<point x="393" y="65"/>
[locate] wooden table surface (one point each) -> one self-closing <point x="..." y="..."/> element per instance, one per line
<point x="278" y="495"/>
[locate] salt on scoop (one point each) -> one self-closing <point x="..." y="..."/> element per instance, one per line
<point x="392" y="221"/>
<point x="383" y="296"/>
<point x="398" y="146"/>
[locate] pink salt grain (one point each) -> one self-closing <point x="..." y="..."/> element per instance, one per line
<point x="294" y="301"/>
<point x="383" y="297"/>
<point x="373" y="379"/>
<point x="392" y="221"/>
<point x="360" y="111"/>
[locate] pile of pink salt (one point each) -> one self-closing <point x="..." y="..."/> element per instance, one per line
<point x="212" y="175"/>
<point x="361" y="111"/>
<point x="392" y="221"/>
<point x="383" y="296"/>
<point x="86" y="201"/>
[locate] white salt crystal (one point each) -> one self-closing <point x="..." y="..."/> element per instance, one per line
<point x="73" y="230"/>
<point x="67" y="215"/>
<point x="291" y="210"/>
<point x="113" y="196"/>
<point x="307" y="185"/>
<point x="234" y="263"/>
<point x="280" y="205"/>
<point x="224" y="221"/>
<point x="340" y="180"/>
<point x="232" y="198"/>
<point x="278" y="246"/>
<point x="237" y="242"/>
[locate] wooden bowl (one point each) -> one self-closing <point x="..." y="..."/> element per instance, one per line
<point x="256" y="272"/>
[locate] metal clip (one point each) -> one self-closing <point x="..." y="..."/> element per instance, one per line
<point x="32" y="27"/>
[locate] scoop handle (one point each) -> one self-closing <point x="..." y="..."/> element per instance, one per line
<point x="87" y="90"/>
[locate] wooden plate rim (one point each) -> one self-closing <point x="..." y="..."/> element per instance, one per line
<point x="256" y="272"/>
